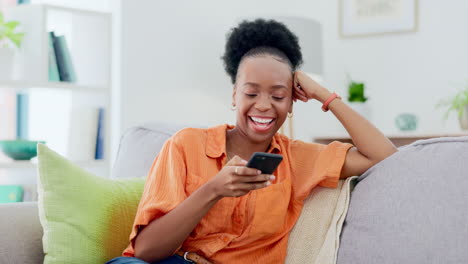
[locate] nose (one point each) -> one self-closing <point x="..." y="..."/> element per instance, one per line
<point x="263" y="103"/>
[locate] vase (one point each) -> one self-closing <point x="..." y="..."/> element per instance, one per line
<point x="406" y="122"/>
<point x="463" y="119"/>
<point x="6" y="63"/>
<point x="362" y="108"/>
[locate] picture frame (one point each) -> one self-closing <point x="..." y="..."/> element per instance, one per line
<point x="360" y="18"/>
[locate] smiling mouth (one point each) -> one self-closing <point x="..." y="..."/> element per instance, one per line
<point x="261" y="124"/>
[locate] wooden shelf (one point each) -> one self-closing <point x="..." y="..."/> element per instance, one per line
<point x="54" y="106"/>
<point x="33" y="164"/>
<point x="17" y="84"/>
<point x="76" y="10"/>
<point x="399" y="139"/>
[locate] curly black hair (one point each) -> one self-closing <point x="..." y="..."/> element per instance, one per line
<point x="259" y="37"/>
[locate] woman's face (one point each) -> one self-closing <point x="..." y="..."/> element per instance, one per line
<point x="263" y="96"/>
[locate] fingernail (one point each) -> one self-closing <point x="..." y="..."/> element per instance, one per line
<point x="259" y="172"/>
<point x="268" y="183"/>
<point x="272" y="177"/>
<point x="244" y="161"/>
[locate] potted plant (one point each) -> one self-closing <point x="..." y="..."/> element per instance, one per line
<point x="9" y="39"/>
<point x="356" y="98"/>
<point x="459" y="104"/>
<point x="356" y="92"/>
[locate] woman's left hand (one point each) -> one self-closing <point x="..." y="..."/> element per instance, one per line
<point x="304" y="88"/>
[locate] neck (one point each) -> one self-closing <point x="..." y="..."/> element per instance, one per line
<point x="238" y="144"/>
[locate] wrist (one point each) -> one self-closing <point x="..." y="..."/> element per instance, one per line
<point x="333" y="96"/>
<point x="211" y="192"/>
<point x="323" y="95"/>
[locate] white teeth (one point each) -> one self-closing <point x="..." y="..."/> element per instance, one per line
<point x="261" y="120"/>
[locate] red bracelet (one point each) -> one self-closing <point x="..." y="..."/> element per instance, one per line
<point x="328" y="101"/>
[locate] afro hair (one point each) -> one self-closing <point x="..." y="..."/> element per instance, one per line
<point x="264" y="36"/>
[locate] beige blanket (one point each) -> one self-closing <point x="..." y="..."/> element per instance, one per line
<point x="316" y="236"/>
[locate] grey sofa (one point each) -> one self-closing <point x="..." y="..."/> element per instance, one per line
<point x="410" y="208"/>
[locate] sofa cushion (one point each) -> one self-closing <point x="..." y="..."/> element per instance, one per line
<point x="411" y="207"/>
<point x="21" y="234"/>
<point x="315" y="236"/>
<point x="85" y="218"/>
<point x="139" y="146"/>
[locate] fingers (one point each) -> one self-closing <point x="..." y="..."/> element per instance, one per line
<point x="245" y="171"/>
<point x="259" y="178"/>
<point x="298" y="91"/>
<point x="295" y="83"/>
<point x="236" y="161"/>
<point x="302" y="98"/>
<point x="299" y="94"/>
<point x="253" y="186"/>
<point x="242" y="188"/>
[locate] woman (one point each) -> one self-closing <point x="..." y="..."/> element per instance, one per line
<point x="200" y="200"/>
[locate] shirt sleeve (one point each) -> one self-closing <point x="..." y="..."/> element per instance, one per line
<point x="317" y="164"/>
<point x="164" y="190"/>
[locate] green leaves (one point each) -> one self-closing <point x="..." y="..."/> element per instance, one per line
<point x="356" y="92"/>
<point x="457" y="103"/>
<point x="7" y="31"/>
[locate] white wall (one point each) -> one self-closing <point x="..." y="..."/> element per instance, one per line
<point x="407" y="72"/>
<point x="171" y="68"/>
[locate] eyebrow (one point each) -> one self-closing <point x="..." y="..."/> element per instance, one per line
<point x="277" y="86"/>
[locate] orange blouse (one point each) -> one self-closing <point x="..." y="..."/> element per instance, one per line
<point x="253" y="228"/>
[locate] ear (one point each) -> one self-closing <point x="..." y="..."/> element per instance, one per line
<point x="291" y="107"/>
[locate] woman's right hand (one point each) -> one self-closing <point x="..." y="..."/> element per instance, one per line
<point x="235" y="179"/>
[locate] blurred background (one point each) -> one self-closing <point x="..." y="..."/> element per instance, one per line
<point x="87" y="70"/>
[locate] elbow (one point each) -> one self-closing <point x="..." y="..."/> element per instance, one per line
<point x="141" y="250"/>
<point x="146" y="255"/>
<point x="149" y="254"/>
<point x="392" y="151"/>
<point x="384" y="155"/>
<point x="141" y="253"/>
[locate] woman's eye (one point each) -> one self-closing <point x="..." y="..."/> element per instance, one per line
<point x="251" y="95"/>
<point x="278" y="98"/>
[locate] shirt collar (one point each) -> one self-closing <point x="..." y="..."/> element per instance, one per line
<point x="275" y="144"/>
<point x="215" y="145"/>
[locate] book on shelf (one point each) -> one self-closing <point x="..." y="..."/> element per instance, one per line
<point x="63" y="58"/>
<point x="86" y="137"/>
<point x="99" y="153"/>
<point x="11" y="193"/>
<point x="14" y="112"/>
<point x="22" y="112"/>
<point x="54" y="75"/>
<point x="67" y="125"/>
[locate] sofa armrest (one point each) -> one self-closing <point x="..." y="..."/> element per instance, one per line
<point x="21" y="233"/>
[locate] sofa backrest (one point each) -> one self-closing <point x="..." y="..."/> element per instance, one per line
<point x="139" y="146"/>
<point x="411" y="207"/>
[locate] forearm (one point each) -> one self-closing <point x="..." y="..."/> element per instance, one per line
<point x="163" y="236"/>
<point x="368" y="140"/>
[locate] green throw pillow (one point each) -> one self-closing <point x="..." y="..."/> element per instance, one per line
<point x="86" y="218"/>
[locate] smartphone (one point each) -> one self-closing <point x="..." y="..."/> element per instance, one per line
<point x="266" y="162"/>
